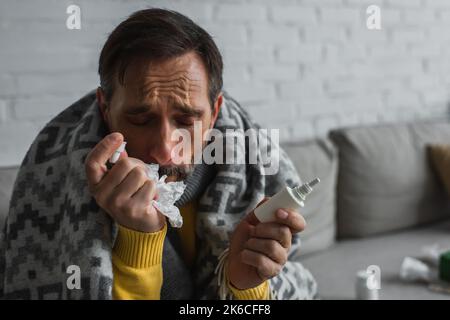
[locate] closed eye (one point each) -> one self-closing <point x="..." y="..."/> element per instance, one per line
<point x="141" y="120"/>
<point x="185" y="121"/>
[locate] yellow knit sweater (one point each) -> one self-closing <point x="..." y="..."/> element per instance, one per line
<point x="137" y="261"/>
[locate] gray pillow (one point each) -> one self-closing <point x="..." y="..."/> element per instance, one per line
<point x="7" y="178"/>
<point x="312" y="159"/>
<point x="385" y="181"/>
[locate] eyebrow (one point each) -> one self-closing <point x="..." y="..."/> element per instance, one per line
<point x="138" y="109"/>
<point x="196" y="112"/>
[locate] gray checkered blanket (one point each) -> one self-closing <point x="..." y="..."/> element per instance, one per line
<point x="54" y="223"/>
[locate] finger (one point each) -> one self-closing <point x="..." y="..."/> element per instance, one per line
<point x="271" y="248"/>
<point x="95" y="164"/>
<point x="251" y="218"/>
<point x="146" y="194"/>
<point x="293" y="219"/>
<point x="123" y="155"/>
<point x="131" y="184"/>
<point x="273" y="231"/>
<point x="118" y="173"/>
<point x="266" y="267"/>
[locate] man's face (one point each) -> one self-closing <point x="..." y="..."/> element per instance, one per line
<point x="155" y="100"/>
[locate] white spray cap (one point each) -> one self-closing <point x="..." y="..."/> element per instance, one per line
<point x="117" y="153"/>
<point x="306" y="188"/>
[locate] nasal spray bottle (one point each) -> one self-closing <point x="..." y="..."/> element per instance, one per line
<point x="116" y="155"/>
<point x="287" y="198"/>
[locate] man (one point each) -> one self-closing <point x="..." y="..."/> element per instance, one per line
<point x="71" y="210"/>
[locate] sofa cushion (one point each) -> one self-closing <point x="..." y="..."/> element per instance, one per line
<point x="312" y="159"/>
<point x="7" y="178"/>
<point x="385" y="180"/>
<point x="335" y="269"/>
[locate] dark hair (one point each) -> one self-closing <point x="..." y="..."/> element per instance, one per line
<point x="158" y="35"/>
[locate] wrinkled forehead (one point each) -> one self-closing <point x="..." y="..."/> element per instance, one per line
<point x="183" y="79"/>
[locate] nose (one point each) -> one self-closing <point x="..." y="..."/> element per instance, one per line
<point x="162" y="151"/>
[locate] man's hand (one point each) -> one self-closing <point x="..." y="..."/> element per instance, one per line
<point x="125" y="191"/>
<point x="258" y="251"/>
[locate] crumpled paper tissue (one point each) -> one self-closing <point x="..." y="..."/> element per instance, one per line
<point x="413" y="269"/>
<point x="425" y="268"/>
<point x="168" y="194"/>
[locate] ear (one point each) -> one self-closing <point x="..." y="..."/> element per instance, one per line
<point x="102" y="104"/>
<point x="216" y="109"/>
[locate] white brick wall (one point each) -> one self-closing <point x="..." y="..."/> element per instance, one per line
<point x="304" y="66"/>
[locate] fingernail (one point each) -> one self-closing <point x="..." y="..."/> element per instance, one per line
<point x="114" y="137"/>
<point x="282" y="214"/>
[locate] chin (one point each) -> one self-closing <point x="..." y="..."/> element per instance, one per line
<point x="173" y="179"/>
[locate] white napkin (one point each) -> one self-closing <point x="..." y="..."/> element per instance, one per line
<point x="168" y="193"/>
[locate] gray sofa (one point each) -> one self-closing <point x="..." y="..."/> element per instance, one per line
<point x="379" y="201"/>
